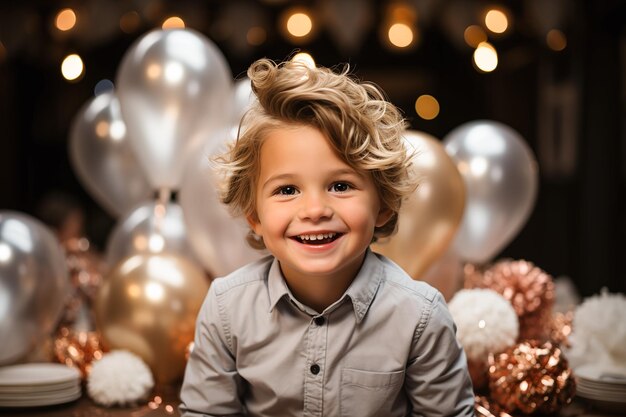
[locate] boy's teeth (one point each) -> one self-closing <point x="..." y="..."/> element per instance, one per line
<point x="317" y="237"/>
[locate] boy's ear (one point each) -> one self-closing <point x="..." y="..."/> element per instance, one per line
<point x="254" y="223"/>
<point x="384" y="215"/>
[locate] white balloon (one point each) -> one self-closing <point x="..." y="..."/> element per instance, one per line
<point x="102" y="157"/>
<point x="243" y="98"/>
<point x="217" y="238"/>
<point x="34" y="284"/>
<point x="174" y="87"/>
<point x="149" y="228"/>
<point x="501" y="176"/>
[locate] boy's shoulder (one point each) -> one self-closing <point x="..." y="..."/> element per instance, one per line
<point x="254" y="272"/>
<point x="399" y="281"/>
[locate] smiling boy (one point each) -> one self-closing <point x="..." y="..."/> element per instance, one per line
<point x="323" y="327"/>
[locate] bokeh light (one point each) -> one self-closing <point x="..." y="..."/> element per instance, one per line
<point x="65" y="20"/>
<point x="305" y="58"/>
<point x="486" y="57"/>
<point x="299" y="24"/>
<point x="496" y="21"/>
<point x="72" y="67"/>
<point x="400" y="35"/>
<point x="256" y="36"/>
<point x="556" y="40"/>
<point x="427" y="107"/>
<point x="173" y="22"/>
<point x="130" y="21"/>
<point x="474" y="35"/>
<point x="103" y="86"/>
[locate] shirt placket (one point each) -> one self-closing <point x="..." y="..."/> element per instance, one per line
<point x="316" y="366"/>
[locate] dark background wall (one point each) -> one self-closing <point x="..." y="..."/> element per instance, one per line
<point x="570" y="105"/>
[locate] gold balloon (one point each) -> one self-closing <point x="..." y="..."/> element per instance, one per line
<point x="148" y="305"/>
<point x="430" y="217"/>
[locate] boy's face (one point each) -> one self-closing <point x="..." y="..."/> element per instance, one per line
<point x="315" y="213"/>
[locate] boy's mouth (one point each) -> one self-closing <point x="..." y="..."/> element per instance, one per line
<point x="317" y="239"/>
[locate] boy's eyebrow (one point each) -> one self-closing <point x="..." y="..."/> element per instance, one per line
<point x="290" y="176"/>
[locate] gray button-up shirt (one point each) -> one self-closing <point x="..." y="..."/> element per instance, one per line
<point x="387" y="347"/>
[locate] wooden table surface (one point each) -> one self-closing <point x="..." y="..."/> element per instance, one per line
<point x="168" y="407"/>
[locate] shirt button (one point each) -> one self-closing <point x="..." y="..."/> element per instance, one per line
<point x="319" y="320"/>
<point x="315" y="369"/>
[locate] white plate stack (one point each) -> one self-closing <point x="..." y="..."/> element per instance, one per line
<point x="38" y="384"/>
<point x="603" y="386"/>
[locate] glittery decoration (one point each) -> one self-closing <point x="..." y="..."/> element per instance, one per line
<point x="486" y="408"/>
<point x="561" y="328"/>
<point x="531" y="378"/>
<point x="85" y="266"/>
<point x="473" y="276"/>
<point x="77" y="349"/>
<point x="529" y="289"/>
<point x="75" y="342"/>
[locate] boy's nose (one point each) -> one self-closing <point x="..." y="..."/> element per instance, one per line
<point x="315" y="208"/>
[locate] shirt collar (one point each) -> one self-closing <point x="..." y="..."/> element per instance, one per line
<point x="361" y="291"/>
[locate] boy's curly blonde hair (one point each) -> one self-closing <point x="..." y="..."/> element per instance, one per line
<point x="361" y="126"/>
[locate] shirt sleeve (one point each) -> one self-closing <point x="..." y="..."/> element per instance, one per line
<point x="437" y="379"/>
<point x="212" y="386"/>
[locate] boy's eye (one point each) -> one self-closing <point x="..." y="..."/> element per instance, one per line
<point x="286" y="190"/>
<point x="340" y="187"/>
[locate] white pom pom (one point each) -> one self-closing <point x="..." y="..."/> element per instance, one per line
<point x="119" y="378"/>
<point x="486" y="322"/>
<point x="599" y="330"/>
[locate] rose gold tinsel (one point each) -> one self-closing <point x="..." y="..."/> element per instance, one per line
<point x="561" y="328"/>
<point x="486" y="408"/>
<point x="75" y="341"/>
<point x="529" y="289"/>
<point x="531" y="378"/>
<point x="77" y="349"/>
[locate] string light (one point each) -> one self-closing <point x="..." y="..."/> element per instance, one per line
<point x="173" y="22"/>
<point x="556" y="40"/>
<point x="256" y="36"/>
<point x="474" y="35"/>
<point x="400" y="35"/>
<point x="305" y="58"/>
<point x="297" y="24"/>
<point x="65" y="20"/>
<point x="496" y="21"/>
<point x="72" y="67"/>
<point x="129" y="22"/>
<point x="427" y="107"/>
<point x="486" y="57"/>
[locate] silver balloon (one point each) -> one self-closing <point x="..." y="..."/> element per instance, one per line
<point x="501" y="175"/>
<point x="174" y="88"/>
<point x="217" y="238"/>
<point x="34" y="284"/>
<point x="243" y="98"/>
<point x="103" y="158"/>
<point x="150" y="228"/>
